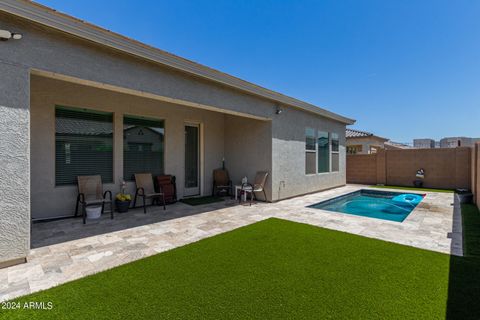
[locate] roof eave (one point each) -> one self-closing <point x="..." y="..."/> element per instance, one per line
<point x="369" y="137"/>
<point x="51" y="18"/>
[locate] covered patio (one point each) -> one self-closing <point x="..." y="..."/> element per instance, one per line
<point x="46" y="233"/>
<point x="84" y="128"/>
<point x="82" y="100"/>
<point x="64" y="250"/>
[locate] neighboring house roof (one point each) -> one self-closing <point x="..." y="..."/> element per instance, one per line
<point x="49" y="17"/>
<point x="353" y="134"/>
<point x="74" y="126"/>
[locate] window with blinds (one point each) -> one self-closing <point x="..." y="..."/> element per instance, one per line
<point x="143" y="146"/>
<point x="323" y="142"/>
<point x="83" y="145"/>
<point x="335" y="152"/>
<point x="310" y="151"/>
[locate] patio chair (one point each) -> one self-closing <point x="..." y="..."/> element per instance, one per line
<point x="166" y="185"/>
<point x="221" y="182"/>
<point x="258" y="186"/>
<point x="90" y="192"/>
<point x="145" y="189"/>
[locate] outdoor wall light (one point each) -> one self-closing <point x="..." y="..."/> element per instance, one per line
<point x="278" y="110"/>
<point x="7" y="35"/>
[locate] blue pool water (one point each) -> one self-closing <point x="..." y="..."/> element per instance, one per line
<point x="373" y="204"/>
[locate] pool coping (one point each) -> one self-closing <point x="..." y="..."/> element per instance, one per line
<point x="360" y="191"/>
<point x="434" y="225"/>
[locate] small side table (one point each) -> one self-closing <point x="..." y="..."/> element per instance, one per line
<point x="238" y="188"/>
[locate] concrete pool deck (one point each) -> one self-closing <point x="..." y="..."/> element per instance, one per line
<point x="65" y="250"/>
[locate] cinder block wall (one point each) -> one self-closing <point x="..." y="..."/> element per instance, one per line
<point x="445" y="168"/>
<point x="476" y="173"/>
<point x="362" y="168"/>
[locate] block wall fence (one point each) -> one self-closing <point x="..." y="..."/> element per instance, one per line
<point x="476" y="173"/>
<point x="444" y="168"/>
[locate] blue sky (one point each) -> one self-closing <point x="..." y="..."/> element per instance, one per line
<point x="403" y="69"/>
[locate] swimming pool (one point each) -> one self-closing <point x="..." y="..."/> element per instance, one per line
<point x="393" y="206"/>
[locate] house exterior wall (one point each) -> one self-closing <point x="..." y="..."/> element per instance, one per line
<point x="424" y="143"/>
<point x="51" y="201"/>
<point x="288" y="154"/>
<point x="453" y="142"/>
<point x="248" y="149"/>
<point x="15" y="164"/>
<point x="278" y="142"/>
<point x="366" y="143"/>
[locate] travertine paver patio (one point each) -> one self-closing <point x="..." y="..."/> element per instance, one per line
<point x="65" y="250"/>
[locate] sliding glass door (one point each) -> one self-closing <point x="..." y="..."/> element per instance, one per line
<point x="192" y="159"/>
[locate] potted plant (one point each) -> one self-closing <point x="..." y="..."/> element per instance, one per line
<point x="122" y="202"/>
<point x="122" y="199"/>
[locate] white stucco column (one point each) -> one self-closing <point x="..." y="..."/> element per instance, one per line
<point x="118" y="150"/>
<point x="14" y="164"/>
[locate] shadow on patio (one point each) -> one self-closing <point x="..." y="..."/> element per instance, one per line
<point x="59" y="231"/>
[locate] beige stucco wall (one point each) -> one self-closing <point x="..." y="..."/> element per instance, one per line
<point x="14" y="163"/>
<point x="288" y="154"/>
<point x="248" y="149"/>
<point x="366" y="143"/>
<point x="49" y="200"/>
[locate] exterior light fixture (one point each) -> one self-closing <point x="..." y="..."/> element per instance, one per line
<point x="7" y="35"/>
<point x="278" y="110"/>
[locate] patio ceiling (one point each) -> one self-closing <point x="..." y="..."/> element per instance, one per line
<point x="144" y="94"/>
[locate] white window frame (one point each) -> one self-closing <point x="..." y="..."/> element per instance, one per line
<point x="334" y="152"/>
<point x="311" y="151"/>
<point x="329" y="152"/>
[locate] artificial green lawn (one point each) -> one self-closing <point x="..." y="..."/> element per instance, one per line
<point x="415" y="189"/>
<point x="471" y="230"/>
<point x="275" y="269"/>
<point x="201" y="200"/>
